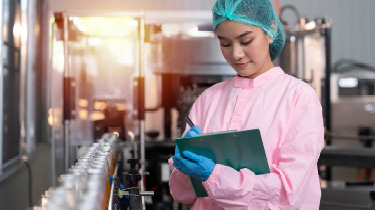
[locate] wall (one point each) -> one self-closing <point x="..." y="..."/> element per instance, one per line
<point x="14" y="190"/>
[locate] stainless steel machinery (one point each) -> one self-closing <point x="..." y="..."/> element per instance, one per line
<point x="307" y="55"/>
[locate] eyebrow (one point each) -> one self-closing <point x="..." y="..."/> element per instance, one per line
<point x="238" y="37"/>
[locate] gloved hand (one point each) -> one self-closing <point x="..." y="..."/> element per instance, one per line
<point x="193" y="165"/>
<point x="193" y="131"/>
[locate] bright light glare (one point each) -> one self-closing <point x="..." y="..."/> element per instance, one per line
<point x="310" y="25"/>
<point x="194" y="32"/>
<point x="348" y="82"/>
<point x="97" y="116"/>
<point x="79" y="23"/>
<point x="201" y="34"/>
<point x="370" y="108"/>
<point x="125" y="60"/>
<point x="94" y="41"/>
<point x="83" y="114"/>
<point x="24" y="33"/>
<point x="106" y="26"/>
<point x="131" y="134"/>
<point x="167" y="34"/>
<point x="121" y="107"/>
<point x="50" y="117"/>
<point x="58" y="57"/>
<point x="99" y="105"/>
<point x="17" y="30"/>
<point x="83" y="103"/>
<point x="190" y="30"/>
<point x="54" y="116"/>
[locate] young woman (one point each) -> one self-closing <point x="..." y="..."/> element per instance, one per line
<point x="285" y="110"/>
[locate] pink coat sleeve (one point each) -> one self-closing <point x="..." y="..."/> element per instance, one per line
<point x="180" y="186"/>
<point x="285" y="187"/>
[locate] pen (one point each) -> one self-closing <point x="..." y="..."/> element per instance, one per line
<point x="189" y="121"/>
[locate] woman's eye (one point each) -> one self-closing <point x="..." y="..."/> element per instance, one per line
<point x="225" y="45"/>
<point x="246" y="43"/>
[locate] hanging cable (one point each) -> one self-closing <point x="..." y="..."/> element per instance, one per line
<point x="29" y="183"/>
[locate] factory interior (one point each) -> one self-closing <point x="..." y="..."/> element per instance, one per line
<point x="94" y="94"/>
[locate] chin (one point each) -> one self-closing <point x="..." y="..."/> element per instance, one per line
<point x="244" y="75"/>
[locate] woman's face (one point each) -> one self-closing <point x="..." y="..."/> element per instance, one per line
<point x="245" y="48"/>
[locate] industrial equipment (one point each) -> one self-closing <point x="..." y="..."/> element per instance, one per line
<point x="185" y="74"/>
<point x="307" y="54"/>
<point x="94" y="181"/>
<point x="353" y="97"/>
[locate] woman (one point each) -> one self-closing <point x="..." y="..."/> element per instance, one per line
<point x="285" y="110"/>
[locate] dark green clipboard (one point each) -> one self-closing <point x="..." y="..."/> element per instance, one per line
<point x="238" y="149"/>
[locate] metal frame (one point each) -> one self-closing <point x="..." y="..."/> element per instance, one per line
<point x="112" y="189"/>
<point x="23" y="79"/>
<point x="66" y="75"/>
<point x="1" y="85"/>
<point x="140" y="16"/>
<point x="52" y="136"/>
<point x="30" y="78"/>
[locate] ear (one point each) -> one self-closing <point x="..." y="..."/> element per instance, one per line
<point x="269" y="39"/>
<point x="274" y="30"/>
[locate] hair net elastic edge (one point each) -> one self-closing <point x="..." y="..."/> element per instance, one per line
<point x="253" y="23"/>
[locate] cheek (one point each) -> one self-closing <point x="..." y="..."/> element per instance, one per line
<point x="257" y="49"/>
<point x="251" y="51"/>
<point x="226" y="53"/>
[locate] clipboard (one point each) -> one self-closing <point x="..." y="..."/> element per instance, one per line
<point x="236" y="149"/>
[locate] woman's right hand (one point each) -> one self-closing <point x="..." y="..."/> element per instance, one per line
<point x="193" y="131"/>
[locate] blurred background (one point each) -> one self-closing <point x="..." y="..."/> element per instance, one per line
<point x="109" y="82"/>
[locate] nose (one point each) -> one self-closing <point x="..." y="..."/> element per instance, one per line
<point x="237" y="53"/>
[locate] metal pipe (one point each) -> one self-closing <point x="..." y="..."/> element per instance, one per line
<point x="146" y="193"/>
<point x="112" y="188"/>
<point x="66" y="75"/>
<point x="327" y="34"/>
<point x="1" y="82"/>
<point x="23" y="80"/>
<point x="141" y="104"/>
<point x="53" y="141"/>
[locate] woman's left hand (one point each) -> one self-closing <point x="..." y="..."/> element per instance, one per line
<point x="193" y="165"/>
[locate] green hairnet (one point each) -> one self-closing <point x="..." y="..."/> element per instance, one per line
<point x="253" y="12"/>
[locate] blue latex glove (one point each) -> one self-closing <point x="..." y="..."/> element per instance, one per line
<point x="193" y="165"/>
<point x="193" y="131"/>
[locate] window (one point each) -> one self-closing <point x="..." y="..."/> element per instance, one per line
<point x="10" y="82"/>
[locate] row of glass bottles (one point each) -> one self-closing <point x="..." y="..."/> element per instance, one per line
<point x="86" y="185"/>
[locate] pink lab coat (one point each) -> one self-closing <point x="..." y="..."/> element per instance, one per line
<point x="288" y="114"/>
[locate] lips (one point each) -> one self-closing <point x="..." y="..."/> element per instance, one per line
<point x="241" y="65"/>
